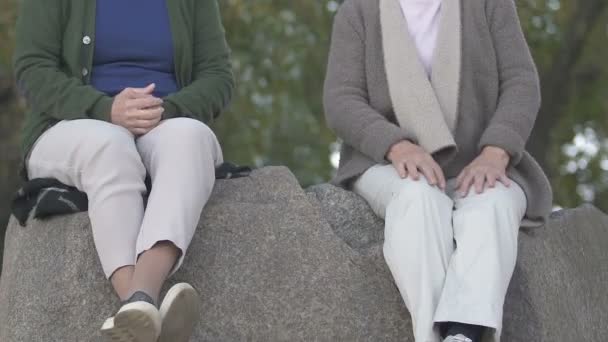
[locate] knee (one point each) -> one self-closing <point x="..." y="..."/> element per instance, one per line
<point x="501" y="199"/>
<point x="409" y="192"/>
<point x="111" y="150"/>
<point x="417" y="211"/>
<point x="189" y="141"/>
<point x="189" y="132"/>
<point x="493" y="217"/>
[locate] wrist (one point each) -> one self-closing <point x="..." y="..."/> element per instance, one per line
<point x="497" y="152"/>
<point x="102" y="109"/>
<point x="393" y="149"/>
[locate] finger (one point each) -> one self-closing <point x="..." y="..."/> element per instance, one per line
<point x="412" y="171"/>
<point x="144" y="102"/>
<point x="465" y="186"/>
<point x="132" y="93"/>
<point x="440" y="177"/>
<point x="400" y="167"/>
<point x="491" y="180"/>
<point x="146" y="90"/>
<point x="139" y="131"/>
<point x="480" y="179"/>
<point x="135" y="93"/>
<point x="428" y="172"/>
<point x="504" y="180"/>
<point x="128" y="92"/>
<point x="146" y="124"/>
<point x="148" y="114"/>
<point x="461" y="177"/>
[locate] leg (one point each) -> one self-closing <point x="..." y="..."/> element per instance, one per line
<point x="418" y="239"/>
<point x="180" y="155"/>
<point x="485" y="227"/>
<point x="121" y="281"/>
<point x="101" y="160"/>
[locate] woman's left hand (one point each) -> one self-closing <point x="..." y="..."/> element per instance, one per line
<point x="487" y="169"/>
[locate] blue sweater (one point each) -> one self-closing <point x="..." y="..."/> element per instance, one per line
<point x="133" y="47"/>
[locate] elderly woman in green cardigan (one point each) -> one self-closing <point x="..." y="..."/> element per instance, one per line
<point x="434" y="101"/>
<point x="117" y="90"/>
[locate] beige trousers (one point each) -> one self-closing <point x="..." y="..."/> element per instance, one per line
<point x="452" y="258"/>
<point x="109" y="164"/>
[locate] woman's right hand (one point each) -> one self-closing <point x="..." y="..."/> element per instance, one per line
<point x="137" y="110"/>
<point x="411" y="160"/>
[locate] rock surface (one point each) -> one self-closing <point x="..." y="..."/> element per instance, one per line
<point x="559" y="290"/>
<point x="275" y="263"/>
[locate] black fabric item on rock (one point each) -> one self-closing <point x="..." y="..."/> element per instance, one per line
<point x="41" y="198"/>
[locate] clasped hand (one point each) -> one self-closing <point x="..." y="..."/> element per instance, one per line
<point x="137" y="110"/>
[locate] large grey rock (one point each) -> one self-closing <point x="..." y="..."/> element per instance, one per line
<point x="268" y="267"/>
<point x="275" y="263"/>
<point x="559" y="291"/>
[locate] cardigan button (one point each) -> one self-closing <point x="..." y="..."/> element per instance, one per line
<point x="85" y="71"/>
<point x="86" y="40"/>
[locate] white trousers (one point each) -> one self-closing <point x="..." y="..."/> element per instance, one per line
<point x="109" y="164"/>
<point x="452" y="258"/>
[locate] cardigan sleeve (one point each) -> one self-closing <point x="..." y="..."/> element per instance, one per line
<point x="38" y="68"/>
<point x="519" y="98"/>
<point x="346" y="98"/>
<point x="213" y="82"/>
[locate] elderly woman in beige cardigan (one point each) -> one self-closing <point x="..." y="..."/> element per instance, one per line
<point x="434" y="101"/>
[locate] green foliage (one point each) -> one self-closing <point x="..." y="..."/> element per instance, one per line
<point x="280" y="52"/>
<point x="578" y="145"/>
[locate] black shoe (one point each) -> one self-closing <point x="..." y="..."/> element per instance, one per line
<point x="461" y="332"/>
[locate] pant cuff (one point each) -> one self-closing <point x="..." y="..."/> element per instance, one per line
<point x="145" y="246"/>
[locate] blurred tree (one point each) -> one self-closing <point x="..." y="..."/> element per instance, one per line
<point x="569" y="41"/>
<point x="279" y="54"/>
<point x="562" y="38"/>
